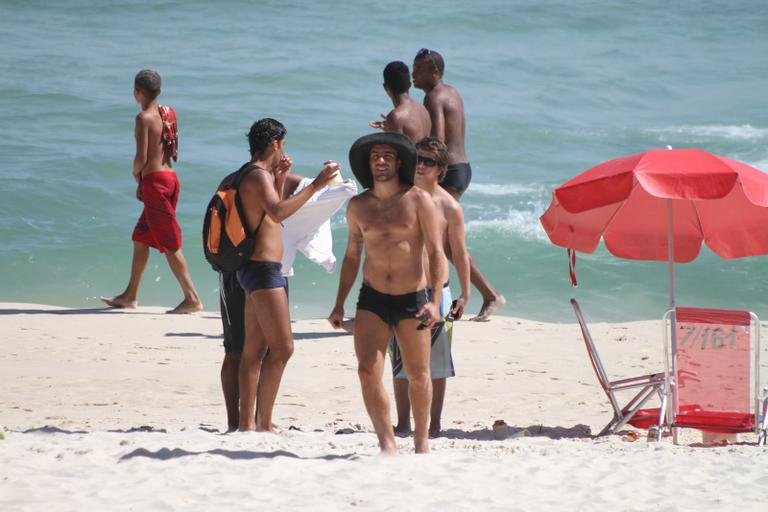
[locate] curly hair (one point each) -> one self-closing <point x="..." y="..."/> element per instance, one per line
<point x="263" y="132"/>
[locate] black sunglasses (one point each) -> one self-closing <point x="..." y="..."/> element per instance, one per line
<point x="423" y="53"/>
<point x="429" y="162"/>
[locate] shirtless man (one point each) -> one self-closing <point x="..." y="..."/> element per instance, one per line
<point x="232" y="306"/>
<point x="446" y="109"/>
<point x="268" y="339"/>
<point x="430" y="169"/>
<point x="396" y="223"/>
<point x="158" y="188"/>
<point x="409" y="117"/>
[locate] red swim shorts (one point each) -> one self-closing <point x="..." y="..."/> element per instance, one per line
<point x="157" y="226"/>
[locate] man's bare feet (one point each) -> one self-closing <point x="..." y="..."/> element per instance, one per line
<point x="388" y="449"/>
<point x="489" y="308"/>
<point x="434" y="430"/>
<point x="257" y="429"/>
<point x="421" y="445"/>
<point x="119" y="302"/>
<point x="186" y="307"/>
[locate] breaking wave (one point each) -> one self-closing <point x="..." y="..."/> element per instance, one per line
<point x="714" y="131"/>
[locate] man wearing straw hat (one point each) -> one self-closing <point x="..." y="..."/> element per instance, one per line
<point x="396" y="223"/>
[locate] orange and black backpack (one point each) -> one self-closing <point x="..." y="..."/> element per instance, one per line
<point x="227" y="241"/>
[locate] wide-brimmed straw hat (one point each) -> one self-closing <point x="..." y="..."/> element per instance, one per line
<point x="359" y="156"/>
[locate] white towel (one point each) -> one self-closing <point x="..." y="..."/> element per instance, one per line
<point x="309" y="229"/>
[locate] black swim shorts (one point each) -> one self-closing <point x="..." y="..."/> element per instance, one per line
<point x="261" y="275"/>
<point x="391" y="308"/>
<point x="457" y="178"/>
<point x="232" y="304"/>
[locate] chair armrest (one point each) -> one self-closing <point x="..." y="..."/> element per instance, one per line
<point x="640" y="380"/>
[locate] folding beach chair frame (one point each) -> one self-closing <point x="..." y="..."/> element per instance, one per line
<point x="649" y="385"/>
<point x="670" y="398"/>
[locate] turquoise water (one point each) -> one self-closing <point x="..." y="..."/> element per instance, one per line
<point x="550" y="89"/>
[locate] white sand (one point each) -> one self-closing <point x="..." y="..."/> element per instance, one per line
<point x="110" y="410"/>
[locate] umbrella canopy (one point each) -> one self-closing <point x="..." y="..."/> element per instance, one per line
<point x="661" y="205"/>
<point x="661" y="202"/>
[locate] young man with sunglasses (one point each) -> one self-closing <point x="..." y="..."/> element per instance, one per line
<point x="446" y="108"/>
<point x="409" y="117"/>
<point x="432" y="161"/>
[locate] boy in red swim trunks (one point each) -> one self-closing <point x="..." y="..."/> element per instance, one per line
<point x="157" y="143"/>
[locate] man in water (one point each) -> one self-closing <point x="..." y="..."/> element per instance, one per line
<point x="396" y="223"/>
<point x="432" y="162"/>
<point x="446" y="108"/>
<point x="409" y="116"/>
<point x="157" y="141"/>
<point x="268" y="340"/>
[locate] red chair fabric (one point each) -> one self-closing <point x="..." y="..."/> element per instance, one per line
<point x="713" y="363"/>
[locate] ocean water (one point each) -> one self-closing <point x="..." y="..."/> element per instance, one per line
<point x="550" y="89"/>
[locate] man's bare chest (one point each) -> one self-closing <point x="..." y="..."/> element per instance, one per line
<point x="393" y="221"/>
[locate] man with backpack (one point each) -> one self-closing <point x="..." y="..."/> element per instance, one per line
<point x="268" y="340"/>
<point x="232" y="300"/>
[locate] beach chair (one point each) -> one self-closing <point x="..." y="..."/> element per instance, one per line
<point x="712" y="367"/>
<point x="648" y="385"/>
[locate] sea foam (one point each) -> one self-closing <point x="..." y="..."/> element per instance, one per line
<point x="506" y="189"/>
<point x="712" y="131"/>
<point x="520" y="223"/>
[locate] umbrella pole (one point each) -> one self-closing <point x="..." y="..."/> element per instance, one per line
<point x="671" y="254"/>
<point x="673" y="327"/>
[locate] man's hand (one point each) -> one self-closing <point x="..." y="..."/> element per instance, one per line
<point x="429" y="314"/>
<point x="336" y="318"/>
<point x="457" y="308"/>
<point x="139" y="195"/>
<point x="283" y="168"/>
<point x="381" y="125"/>
<point x="326" y="175"/>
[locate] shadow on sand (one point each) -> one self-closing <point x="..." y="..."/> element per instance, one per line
<point x="106" y="310"/>
<point x="296" y="335"/>
<point x="74" y="311"/>
<point x="48" y="429"/>
<point x="579" y="431"/>
<point x="175" y="453"/>
<point x="142" y="428"/>
<point x="318" y="335"/>
<point x="194" y="335"/>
